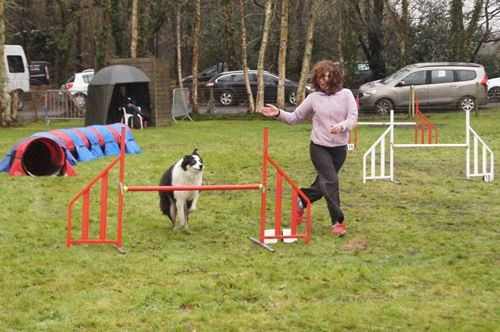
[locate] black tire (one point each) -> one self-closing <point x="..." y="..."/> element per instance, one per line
<point x="494" y="95"/>
<point x="227" y="98"/>
<point x="467" y="103"/>
<point x="292" y="98"/>
<point x="383" y="106"/>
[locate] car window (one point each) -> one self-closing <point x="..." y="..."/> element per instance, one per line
<point x="441" y="76"/>
<point x="397" y="76"/>
<point x="226" y="78"/>
<point x="269" y="79"/>
<point x="71" y="79"/>
<point x="466" y="75"/>
<point x="416" y="78"/>
<point x="252" y="77"/>
<point x="15" y="63"/>
<point x="238" y="78"/>
<point x="88" y="78"/>
<point x="362" y="66"/>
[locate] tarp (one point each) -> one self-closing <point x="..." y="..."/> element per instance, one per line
<point x="103" y="93"/>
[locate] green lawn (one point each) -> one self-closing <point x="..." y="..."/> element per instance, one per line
<point x="420" y="255"/>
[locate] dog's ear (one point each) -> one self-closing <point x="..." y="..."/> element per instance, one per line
<point x="186" y="161"/>
<point x="195" y="151"/>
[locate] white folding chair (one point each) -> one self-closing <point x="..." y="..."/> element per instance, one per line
<point x="128" y="119"/>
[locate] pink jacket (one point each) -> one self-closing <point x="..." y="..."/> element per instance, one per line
<point x="326" y="110"/>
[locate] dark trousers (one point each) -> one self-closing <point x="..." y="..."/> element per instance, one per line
<point x="133" y="110"/>
<point x="327" y="161"/>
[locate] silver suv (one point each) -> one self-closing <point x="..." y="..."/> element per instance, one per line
<point x="436" y="84"/>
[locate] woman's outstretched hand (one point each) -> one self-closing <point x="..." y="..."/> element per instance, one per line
<point x="269" y="110"/>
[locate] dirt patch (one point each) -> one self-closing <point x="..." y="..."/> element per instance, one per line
<point x="357" y="243"/>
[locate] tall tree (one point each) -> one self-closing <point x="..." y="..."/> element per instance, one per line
<point x="402" y="24"/>
<point x="456" y="31"/>
<point x="229" y="32"/>
<point x="370" y="14"/>
<point x="315" y="6"/>
<point x="196" y="54"/>
<point x="134" y="29"/>
<point x="4" y="94"/>
<point x="244" y="57"/>
<point x="282" y="54"/>
<point x="178" y="11"/>
<point x="262" y="53"/>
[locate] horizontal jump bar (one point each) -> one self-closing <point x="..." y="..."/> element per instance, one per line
<point x="187" y="188"/>
<point x="387" y="123"/>
<point x="430" y="145"/>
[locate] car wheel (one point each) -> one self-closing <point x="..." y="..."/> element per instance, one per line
<point x="494" y="95"/>
<point x="467" y="103"/>
<point x="292" y="98"/>
<point x="80" y="99"/>
<point x="383" y="106"/>
<point x="226" y="98"/>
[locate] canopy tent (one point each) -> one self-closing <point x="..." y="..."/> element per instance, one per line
<point x="103" y="92"/>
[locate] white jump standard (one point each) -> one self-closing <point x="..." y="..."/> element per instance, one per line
<point x="477" y="153"/>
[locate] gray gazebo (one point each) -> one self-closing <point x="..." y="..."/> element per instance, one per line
<point x="103" y="92"/>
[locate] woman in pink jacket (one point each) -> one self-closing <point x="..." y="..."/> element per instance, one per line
<point x="334" y="112"/>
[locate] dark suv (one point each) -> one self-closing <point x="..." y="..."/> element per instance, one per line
<point x="229" y="87"/>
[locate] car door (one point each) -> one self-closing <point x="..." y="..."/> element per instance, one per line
<point x="270" y="88"/>
<point x="442" y="88"/>
<point x="417" y="80"/>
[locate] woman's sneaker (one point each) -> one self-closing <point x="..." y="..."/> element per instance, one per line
<point x="338" y="229"/>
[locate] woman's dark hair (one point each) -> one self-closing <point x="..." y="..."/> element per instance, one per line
<point x="336" y="80"/>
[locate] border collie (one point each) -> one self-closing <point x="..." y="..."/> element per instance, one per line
<point x="177" y="205"/>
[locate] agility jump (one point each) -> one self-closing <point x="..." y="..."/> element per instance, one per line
<point x="103" y="179"/>
<point x="477" y="153"/>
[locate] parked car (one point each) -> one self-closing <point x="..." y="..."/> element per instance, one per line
<point x="206" y="74"/>
<point x="77" y="85"/>
<point x="436" y="84"/>
<point x="16" y="72"/>
<point x="494" y="90"/>
<point x="229" y="87"/>
<point x="39" y="73"/>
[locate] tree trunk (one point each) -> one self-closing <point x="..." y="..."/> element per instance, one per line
<point x="4" y="94"/>
<point x="262" y="53"/>
<point x="196" y="54"/>
<point x="134" y="29"/>
<point x="456" y="31"/>
<point x="244" y="56"/>
<point x="229" y="31"/>
<point x="306" y="60"/>
<point x="178" y="44"/>
<point x="282" y="54"/>
<point x="371" y="37"/>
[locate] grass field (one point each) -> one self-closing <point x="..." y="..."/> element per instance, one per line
<point x="420" y="255"/>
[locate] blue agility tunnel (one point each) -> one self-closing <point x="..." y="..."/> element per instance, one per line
<point x="54" y="152"/>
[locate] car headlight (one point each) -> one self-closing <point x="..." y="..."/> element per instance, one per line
<point x="368" y="93"/>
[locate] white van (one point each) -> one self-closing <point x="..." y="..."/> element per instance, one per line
<point x="16" y="67"/>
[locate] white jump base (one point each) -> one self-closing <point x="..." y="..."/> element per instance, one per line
<point x="380" y="166"/>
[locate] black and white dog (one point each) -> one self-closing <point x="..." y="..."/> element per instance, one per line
<point x="177" y="205"/>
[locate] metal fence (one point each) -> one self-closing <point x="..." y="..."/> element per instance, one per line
<point x="65" y="105"/>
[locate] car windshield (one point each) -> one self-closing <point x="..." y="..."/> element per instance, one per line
<point x="396" y="77"/>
